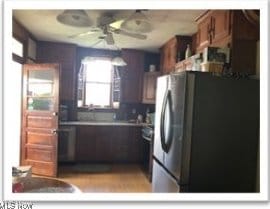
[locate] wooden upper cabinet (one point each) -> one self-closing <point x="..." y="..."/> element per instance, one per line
<point x="65" y="55"/>
<point x="132" y="76"/>
<point x="230" y="28"/>
<point x="213" y="27"/>
<point x="149" y="87"/>
<point x="173" y="50"/>
<point x="243" y="28"/>
<point x="220" y="25"/>
<point x="203" y="34"/>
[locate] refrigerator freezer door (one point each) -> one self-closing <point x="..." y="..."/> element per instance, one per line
<point x="172" y="159"/>
<point x="162" y="181"/>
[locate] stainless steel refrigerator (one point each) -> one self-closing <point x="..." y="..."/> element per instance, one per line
<point x="206" y="133"/>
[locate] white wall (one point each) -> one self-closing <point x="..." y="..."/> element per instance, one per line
<point x="15" y="114"/>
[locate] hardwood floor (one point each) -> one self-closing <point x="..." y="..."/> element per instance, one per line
<point x="119" y="178"/>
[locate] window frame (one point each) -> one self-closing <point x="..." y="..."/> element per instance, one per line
<point x="97" y="107"/>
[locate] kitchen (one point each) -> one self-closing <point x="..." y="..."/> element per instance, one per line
<point x="116" y="132"/>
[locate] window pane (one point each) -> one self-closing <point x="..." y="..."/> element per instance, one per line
<point x="44" y="76"/>
<point x="40" y="83"/>
<point x="40" y="104"/>
<point x="98" y="94"/>
<point x="40" y="89"/>
<point x="99" y="71"/>
<point x="17" y="47"/>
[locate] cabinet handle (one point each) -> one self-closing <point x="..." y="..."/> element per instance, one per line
<point x="213" y="26"/>
<point x="209" y="33"/>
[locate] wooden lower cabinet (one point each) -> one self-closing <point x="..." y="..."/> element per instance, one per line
<point x="85" y="143"/>
<point x="109" y="144"/>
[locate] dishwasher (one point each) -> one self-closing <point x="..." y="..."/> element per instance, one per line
<point x="66" y="144"/>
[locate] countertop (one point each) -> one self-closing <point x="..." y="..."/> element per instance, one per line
<point x="102" y="123"/>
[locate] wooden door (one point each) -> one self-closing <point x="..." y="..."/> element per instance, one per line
<point x="40" y="118"/>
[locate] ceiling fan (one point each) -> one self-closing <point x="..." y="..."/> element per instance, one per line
<point x="107" y="26"/>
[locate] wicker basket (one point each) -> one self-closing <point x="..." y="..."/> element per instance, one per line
<point x="215" y="67"/>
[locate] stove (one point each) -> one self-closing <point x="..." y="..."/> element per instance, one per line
<point x="148" y="135"/>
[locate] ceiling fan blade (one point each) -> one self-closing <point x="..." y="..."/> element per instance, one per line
<point x="109" y="39"/>
<point x="97" y="43"/>
<point x="133" y="35"/>
<point x="117" y="24"/>
<point x="92" y="31"/>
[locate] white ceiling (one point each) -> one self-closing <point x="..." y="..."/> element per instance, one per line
<point x="166" y="23"/>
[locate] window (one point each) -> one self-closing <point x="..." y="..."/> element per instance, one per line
<point x="95" y="86"/>
<point x="17" y="50"/>
<point x="17" y="47"/>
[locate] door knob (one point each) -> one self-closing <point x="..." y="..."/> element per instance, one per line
<point x="54" y="131"/>
<point x="55" y="113"/>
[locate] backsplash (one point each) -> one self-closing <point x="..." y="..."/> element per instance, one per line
<point x="125" y="112"/>
<point x="131" y="111"/>
<point x="95" y="116"/>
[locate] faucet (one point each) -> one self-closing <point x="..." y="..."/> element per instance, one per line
<point x="91" y="109"/>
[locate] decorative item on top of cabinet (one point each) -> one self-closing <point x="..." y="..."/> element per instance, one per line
<point x="149" y="87"/>
<point x="173" y="51"/>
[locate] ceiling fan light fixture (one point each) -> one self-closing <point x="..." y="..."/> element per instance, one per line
<point x="76" y="18"/>
<point x="137" y="22"/>
<point x="118" y="61"/>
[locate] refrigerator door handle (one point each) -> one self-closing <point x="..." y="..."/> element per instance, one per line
<point x="167" y="101"/>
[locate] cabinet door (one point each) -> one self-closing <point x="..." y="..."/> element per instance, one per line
<point x="40" y="118"/>
<point x="149" y="87"/>
<point x="86" y="144"/>
<point x="135" y="145"/>
<point x="172" y="56"/>
<point x="103" y="143"/>
<point x="203" y="35"/>
<point x="164" y="54"/>
<point x="131" y="78"/>
<point x="220" y="25"/>
<point x="169" y="56"/>
<point x="120" y="144"/>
